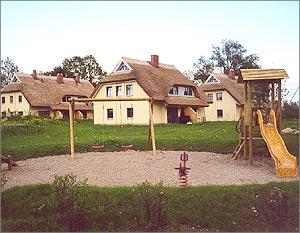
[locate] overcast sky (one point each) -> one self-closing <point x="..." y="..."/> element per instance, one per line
<point x="39" y="35"/>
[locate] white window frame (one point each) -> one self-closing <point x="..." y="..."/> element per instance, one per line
<point x="222" y="113"/>
<point x="130" y="93"/>
<point x="119" y="90"/>
<point x="109" y="118"/>
<point x="109" y="93"/>
<point x="217" y="96"/>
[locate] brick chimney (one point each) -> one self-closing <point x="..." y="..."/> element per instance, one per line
<point x="155" y="61"/>
<point x="60" y="78"/>
<point x="231" y="74"/>
<point x="77" y="78"/>
<point x="34" y="75"/>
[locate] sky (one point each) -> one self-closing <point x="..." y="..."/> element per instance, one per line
<point x="39" y="34"/>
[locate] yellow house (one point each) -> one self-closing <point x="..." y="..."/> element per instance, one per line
<point x="176" y="99"/>
<point x="44" y="96"/>
<point x="227" y="97"/>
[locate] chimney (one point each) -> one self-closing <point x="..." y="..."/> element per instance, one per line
<point x="231" y="74"/>
<point x="77" y="78"/>
<point x="34" y="75"/>
<point x="60" y="78"/>
<point x="154" y="61"/>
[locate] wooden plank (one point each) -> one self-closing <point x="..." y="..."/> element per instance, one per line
<point x="279" y="107"/>
<point x="152" y="129"/>
<point x="241" y="146"/>
<point x="9" y="163"/>
<point x="250" y="124"/>
<point x="110" y="99"/>
<point x="71" y="115"/>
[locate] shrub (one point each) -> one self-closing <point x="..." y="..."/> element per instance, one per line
<point x="290" y="110"/>
<point x="71" y="211"/>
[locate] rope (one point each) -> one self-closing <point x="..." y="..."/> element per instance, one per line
<point x="132" y="125"/>
<point x="103" y="130"/>
<point x="121" y="125"/>
<point x="294" y="95"/>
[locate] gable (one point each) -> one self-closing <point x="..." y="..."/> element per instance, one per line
<point x="122" y="66"/>
<point x="212" y="79"/>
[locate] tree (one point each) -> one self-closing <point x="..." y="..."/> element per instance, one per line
<point x="232" y="55"/>
<point x="87" y="67"/>
<point x="229" y="55"/>
<point x="290" y="110"/>
<point x="8" y="70"/>
<point x="203" y="67"/>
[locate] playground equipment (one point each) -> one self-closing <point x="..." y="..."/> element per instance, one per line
<point x="151" y="134"/>
<point x="183" y="170"/>
<point x="262" y="96"/>
<point x="286" y="164"/>
<point x="9" y="162"/>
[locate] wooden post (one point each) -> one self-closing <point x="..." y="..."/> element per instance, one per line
<point x="152" y="128"/>
<point x="279" y="107"/>
<point x="246" y="109"/>
<point x="250" y="123"/>
<point x="9" y="163"/>
<point x="71" y="115"/>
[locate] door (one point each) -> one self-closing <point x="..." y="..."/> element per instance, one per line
<point x="172" y="115"/>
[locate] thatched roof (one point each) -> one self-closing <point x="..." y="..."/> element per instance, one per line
<point x="236" y="90"/>
<point x="262" y="74"/>
<point x="45" y="91"/>
<point x="157" y="82"/>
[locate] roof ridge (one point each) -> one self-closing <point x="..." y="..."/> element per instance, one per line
<point x="142" y="62"/>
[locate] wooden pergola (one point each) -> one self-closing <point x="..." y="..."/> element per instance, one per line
<point x="151" y="134"/>
<point x="251" y="77"/>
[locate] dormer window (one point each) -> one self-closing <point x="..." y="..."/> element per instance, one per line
<point x="212" y="79"/>
<point x="188" y="91"/>
<point x="174" y="91"/>
<point x="122" y="67"/>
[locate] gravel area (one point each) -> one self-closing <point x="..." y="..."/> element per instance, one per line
<point x="133" y="167"/>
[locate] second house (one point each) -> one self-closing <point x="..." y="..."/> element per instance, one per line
<point x="176" y="99"/>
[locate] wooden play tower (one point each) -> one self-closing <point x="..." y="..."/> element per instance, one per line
<point x="262" y="91"/>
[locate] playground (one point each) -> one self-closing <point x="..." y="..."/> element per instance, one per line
<point x="128" y="168"/>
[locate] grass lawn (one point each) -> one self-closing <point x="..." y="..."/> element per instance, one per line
<point x="270" y="207"/>
<point x="52" y="137"/>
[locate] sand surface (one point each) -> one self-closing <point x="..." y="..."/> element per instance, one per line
<point x="133" y="167"/>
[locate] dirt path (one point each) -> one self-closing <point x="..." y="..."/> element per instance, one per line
<point x="132" y="167"/>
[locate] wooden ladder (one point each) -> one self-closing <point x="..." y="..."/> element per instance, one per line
<point x="238" y="149"/>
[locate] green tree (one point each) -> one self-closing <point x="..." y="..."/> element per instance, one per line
<point x="87" y="67"/>
<point x="290" y="110"/>
<point x="203" y="67"/>
<point x="8" y="70"/>
<point x="232" y="55"/>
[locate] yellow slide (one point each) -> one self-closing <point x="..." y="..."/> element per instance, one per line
<point x="286" y="164"/>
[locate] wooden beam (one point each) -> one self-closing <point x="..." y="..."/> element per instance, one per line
<point x="152" y="129"/>
<point x="71" y="115"/>
<point x="110" y="99"/>
<point x="279" y="107"/>
<point x="250" y="123"/>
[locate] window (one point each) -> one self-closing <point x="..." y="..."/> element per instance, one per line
<point x="20" y="99"/>
<point x="108" y="91"/>
<point x="210" y="96"/>
<point x="110" y="113"/>
<point x="3" y="100"/>
<point x="129" y="112"/>
<point x="11" y="98"/>
<point x="20" y="113"/>
<point x="174" y="91"/>
<point x="219" y="113"/>
<point x="219" y="96"/>
<point x="122" y="67"/>
<point x="187" y="91"/>
<point x="119" y="90"/>
<point x="129" y="89"/>
<point x="212" y="79"/>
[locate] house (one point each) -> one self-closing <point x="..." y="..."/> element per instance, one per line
<point x="32" y="94"/>
<point x="175" y="98"/>
<point x="226" y="94"/>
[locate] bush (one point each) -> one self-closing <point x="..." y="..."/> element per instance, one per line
<point x="290" y="110"/>
<point x="71" y="211"/>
